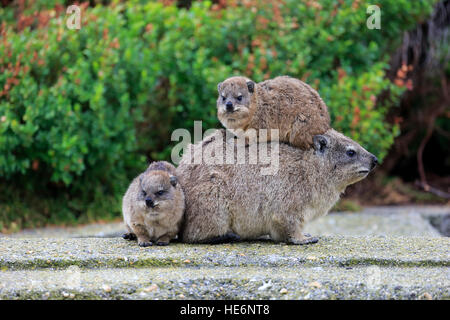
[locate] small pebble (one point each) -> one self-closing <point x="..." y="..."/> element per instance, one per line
<point x="315" y="284"/>
<point x="427" y="296"/>
<point x="106" y="288"/>
<point x="182" y="296"/>
<point x="265" y="285"/>
<point x="283" y="291"/>
<point x="187" y="261"/>
<point x="151" y="288"/>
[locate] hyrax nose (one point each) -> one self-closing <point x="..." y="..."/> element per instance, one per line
<point x="229" y="106"/>
<point x="149" y="202"/>
<point x="374" y="162"/>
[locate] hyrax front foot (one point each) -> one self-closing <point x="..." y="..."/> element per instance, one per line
<point x="142" y="235"/>
<point x="145" y="243"/>
<point x="129" y="236"/>
<point x="303" y="240"/>
<point x="163" y="241"/>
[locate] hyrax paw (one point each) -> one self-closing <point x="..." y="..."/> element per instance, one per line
<point x="162" y="243"/>
<point x="129" y="236"/>
<point x="305" y="240"/>
<point x="145" y="244"/>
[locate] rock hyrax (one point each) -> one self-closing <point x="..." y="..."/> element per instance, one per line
<point x="153" y="206"/>
<point x="283" y="103"/>
<point x="236" y="201"/>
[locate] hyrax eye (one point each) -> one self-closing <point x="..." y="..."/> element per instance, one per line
<point x="239" y="98"/>
<point x="224" y="98"/>
<point x="144" y="193"/>
<point x="351" y="153"/>
<point x="160" y="192"/>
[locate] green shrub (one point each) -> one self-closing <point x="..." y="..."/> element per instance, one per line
<point x="81" y="109"/>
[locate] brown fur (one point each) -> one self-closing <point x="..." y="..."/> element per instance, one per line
<point x="283" y="103"/>
<point x="237" y="199"/>
<point x="161" y="223"/>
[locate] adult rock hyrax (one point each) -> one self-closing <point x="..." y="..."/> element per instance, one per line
<point x="283" y="103"/>
<point x="226" y="201"/>
<point x="153" y="206"/>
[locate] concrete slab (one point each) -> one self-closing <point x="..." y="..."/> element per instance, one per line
<point x="332" y="251"/>
<point x="299" y="282"/>
<point x="335" y="268"/>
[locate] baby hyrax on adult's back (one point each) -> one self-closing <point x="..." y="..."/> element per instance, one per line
<point x="153" y="206"/>
<point x="232" y="201"/>
<point x="283" y="103"/>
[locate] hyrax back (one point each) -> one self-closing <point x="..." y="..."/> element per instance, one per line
<point x="153" y="205"/>
<point x="283" y="103"/>
<point x="236" y="199"/>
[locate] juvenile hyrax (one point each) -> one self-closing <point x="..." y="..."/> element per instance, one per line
<point x="153" y="206"/>
<point x="283" y="103"/>
<point x="237" y="201"/>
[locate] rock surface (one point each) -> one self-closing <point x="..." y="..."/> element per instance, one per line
<point x="334" y="268"/>
<point x="385" y="221"/>
<point x="381" y="253"/>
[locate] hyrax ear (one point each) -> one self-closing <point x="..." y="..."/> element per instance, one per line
<point x="218" y="86"/>
<point x="320" y="143"/>
<point x="251" y="86"/>
<point x="173" y="180"/>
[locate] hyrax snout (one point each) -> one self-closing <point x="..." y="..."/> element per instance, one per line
<point x="237" y="201"/>
<point x="283" y="103"/>
<point x="153" y="206"/>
